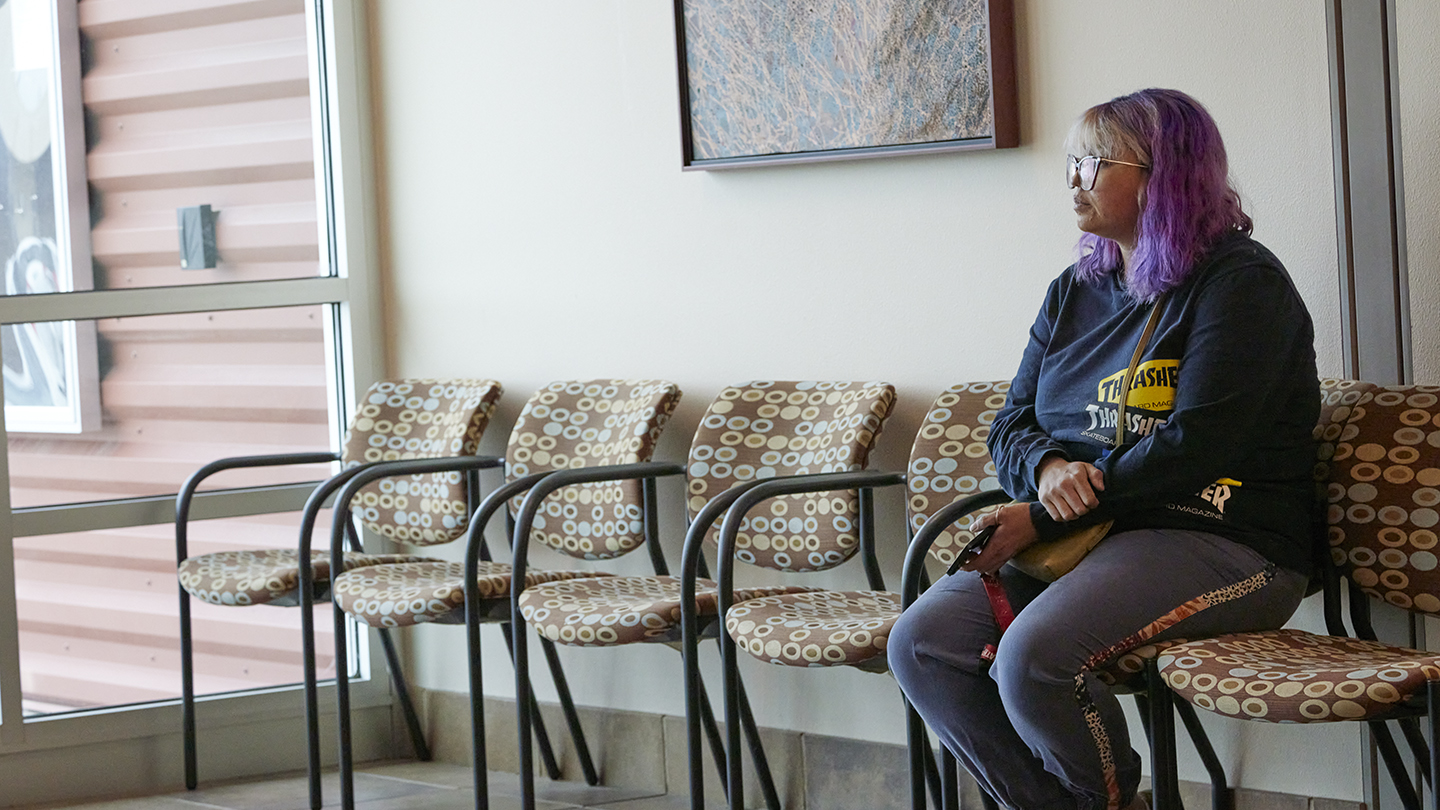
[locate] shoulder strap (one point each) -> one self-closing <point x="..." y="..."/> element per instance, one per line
<point x="1134" y="362"/>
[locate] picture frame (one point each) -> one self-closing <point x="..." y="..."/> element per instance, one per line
<point x="816" y="80"/>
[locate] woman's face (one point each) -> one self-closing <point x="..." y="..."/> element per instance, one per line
<point x="1112" y="208"/>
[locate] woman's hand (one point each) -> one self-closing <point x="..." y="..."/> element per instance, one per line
<point x="1067" y="488"/>
<point x="1015" y="533"/>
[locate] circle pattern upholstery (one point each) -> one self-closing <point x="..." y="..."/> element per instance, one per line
<point x="1380" y="455"/>
<point x="816" y="629"/>
<point x="430" y="591"/>
<point x="1384" y="493"/>
<point x="264" y="577"/>
<point x="414" y="419"/>
<point x="591" y="423"/>
<point x="949" y="460"/>
<point x="612" y="611"/>
<point x="766" y="429"/>
<point x="564" y="425"/>
<point x="1289" y="676"/>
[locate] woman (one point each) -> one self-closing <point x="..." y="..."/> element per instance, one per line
<point x="1210" y="492"/>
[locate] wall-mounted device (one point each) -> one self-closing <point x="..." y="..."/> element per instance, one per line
<point x="197" y="237"/>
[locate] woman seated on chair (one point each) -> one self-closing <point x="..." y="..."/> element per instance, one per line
<point x="1210" y="489"/>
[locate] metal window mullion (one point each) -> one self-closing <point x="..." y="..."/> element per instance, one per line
<point x="155" y="510"/>
<point x="12" y="723"/>
<point x="128" y="303"/>
<point x="340" y="111"/>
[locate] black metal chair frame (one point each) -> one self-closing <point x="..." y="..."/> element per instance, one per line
<point x="699" y="714"/>
<point x="341" y="525"/>
<point x="497" y="611"/>
<point x="1407" y="715"/>
<point x="865" y="482"/>
<point x="307" y="595"/>
<point x="1155" y="703"/>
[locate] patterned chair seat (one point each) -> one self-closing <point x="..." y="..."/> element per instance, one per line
<point x="612" y="611"/>
<point x="817" y="629"/>
<point x="1126" y="672"/>
<point x="266" y="576"/>
<point x="429" y="591"/>
<point x="1290" y="676"/>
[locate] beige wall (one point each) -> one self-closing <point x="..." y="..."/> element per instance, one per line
<point x="1417" y="22"/>
<point x="538" y="227"/>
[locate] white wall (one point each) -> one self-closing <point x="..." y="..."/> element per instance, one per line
<point x="538" y="227"/>
<point x="1417" y="21"/>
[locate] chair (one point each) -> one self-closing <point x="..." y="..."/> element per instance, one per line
<point x="400" y="419"/>
<point x="850" y="628"/>
<point x="1383" y="487"/>
<point x="750" y="433"/>
<point x="566" y="425"/>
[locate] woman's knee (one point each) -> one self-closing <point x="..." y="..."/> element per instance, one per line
<point x="1034" y="658"/>
<point x="901" y="648"/>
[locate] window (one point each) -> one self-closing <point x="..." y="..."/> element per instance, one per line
<point x="123" y="371"/>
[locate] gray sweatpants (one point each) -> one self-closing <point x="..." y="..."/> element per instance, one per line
<point x="1038" y="730"/>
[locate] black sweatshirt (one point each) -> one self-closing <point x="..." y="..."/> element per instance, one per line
<point x="1220" y="415"/>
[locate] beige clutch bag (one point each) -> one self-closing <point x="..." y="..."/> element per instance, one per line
<point x="1050" y="560"/>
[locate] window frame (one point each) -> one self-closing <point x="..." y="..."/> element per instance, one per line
<point x="350" y="289"/>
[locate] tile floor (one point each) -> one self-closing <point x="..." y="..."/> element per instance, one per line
<point x="392" y="786"/>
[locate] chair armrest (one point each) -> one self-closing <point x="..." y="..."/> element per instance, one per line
<point x="359" y="477"/>
<point x="475" y="534"/>
<point x="943" y="519"/>
<point x="552" y="482"/>
<point x="186" y="495"/>
<point x="790" y="485"/>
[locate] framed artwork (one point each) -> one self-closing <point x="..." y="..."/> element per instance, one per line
<point x="803" y="80"/>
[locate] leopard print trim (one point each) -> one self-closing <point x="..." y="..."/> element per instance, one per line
<point x="1149" y="631"/>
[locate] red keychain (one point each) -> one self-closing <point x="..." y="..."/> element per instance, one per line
<point x="994" y="591"/>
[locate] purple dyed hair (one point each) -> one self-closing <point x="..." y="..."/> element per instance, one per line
<point x="1188" y="202"/>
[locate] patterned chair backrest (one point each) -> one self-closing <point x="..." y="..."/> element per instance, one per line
<point x="949" y="460"/>
<point x="1384" y="496"/>
<point x="767" y="429"/>
<point x="415" y="419"/>
<point x="589" y="423"/>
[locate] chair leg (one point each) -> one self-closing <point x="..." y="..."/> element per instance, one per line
<point x="717" y="750"/>
<point x="1394" y="764"/>
<point x="922" y="757"/>
<point x="402" y="691"/>
<point x="950" y="781"/>
<point x="1410" y="729"/>
<point x="542" y="735"/>
<point x="342" y="711"/>
<point x="479" y="767"/>
<point x="312" y="696"/>
<point x="932" y="773"/>
<point x="1222" y="797"/>
<point x="187" y="693"/>
<point x="572" y="718"/>
<point x="757" y="750"/>
<point x="1164" y="778"/>
<point x="1432" y="701"/>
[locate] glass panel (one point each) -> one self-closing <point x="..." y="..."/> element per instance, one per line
<point x="99" y="622"/>
<point x="182" y="114"/>
<point x="173" y="392"/>
<point x="30" y="201"/>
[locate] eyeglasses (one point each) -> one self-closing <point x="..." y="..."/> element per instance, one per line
<point x="1086" y="168"/>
